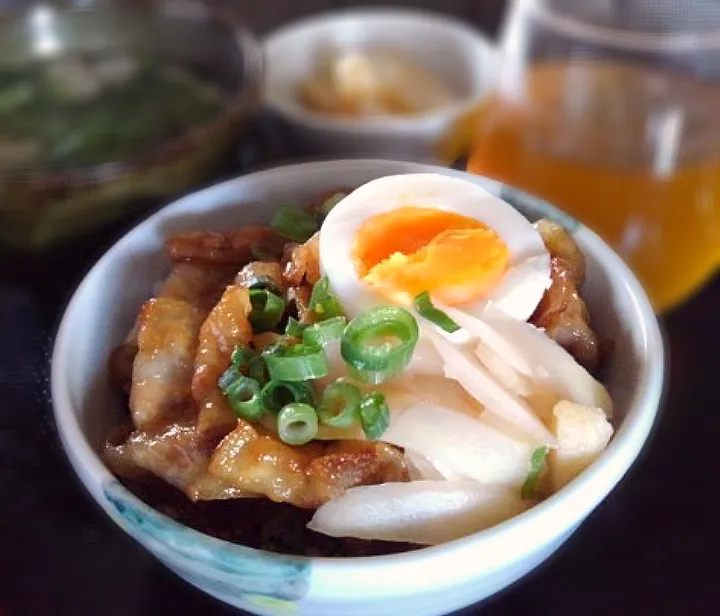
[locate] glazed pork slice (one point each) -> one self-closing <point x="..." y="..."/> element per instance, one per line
<point x="198" y="284"/>
<point x="175" y="454"/>
<point x="251" y="459"/>
<point x="562" y="312"/>
<point x="184" y="340"/>
<point x="120" y="364"/>
<point x="162" y="370"/>
<point x="237" y="247"/>
<point x="181" y="356"/>
<point x="267" y="274"/>
<point x="298" y="298"/>
<point x="301" y="262"/>
<point x="561" y="245"/>
<point x="226" y="327"/>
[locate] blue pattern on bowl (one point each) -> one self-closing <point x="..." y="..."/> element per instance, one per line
<point x="231" y="572"/>
<point x="535" y="208"/>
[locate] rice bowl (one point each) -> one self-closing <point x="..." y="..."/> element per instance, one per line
<point x="322" y="585"/>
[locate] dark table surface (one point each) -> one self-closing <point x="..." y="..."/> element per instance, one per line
<point x="650" y="548"/>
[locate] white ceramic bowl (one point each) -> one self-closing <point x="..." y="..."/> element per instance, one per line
<point x="451" y="49"/>
<point x="430" y="581"/>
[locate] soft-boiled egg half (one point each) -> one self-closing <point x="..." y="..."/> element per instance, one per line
<point x="398" y="236"/>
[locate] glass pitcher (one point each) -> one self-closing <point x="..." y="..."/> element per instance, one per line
<point x="610" y="109"/>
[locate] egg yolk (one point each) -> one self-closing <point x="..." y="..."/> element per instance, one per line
<point x="413" y="249"/>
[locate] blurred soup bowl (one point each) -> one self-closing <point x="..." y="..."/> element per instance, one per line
<point x="43" y="206"/>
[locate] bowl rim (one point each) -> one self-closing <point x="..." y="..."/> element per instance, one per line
<point x="559" y="510"/>
<point x="242" y="101"/>
<point x="369" y="124"/>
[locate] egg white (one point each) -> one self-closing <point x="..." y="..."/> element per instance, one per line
<point x="518" y="292"/>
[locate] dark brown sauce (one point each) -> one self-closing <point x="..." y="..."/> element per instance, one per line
<point x="257" y="523"/>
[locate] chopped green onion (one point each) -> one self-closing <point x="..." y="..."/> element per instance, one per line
<point x="260" y="281"/>
<point x="241" y="357"/>
<point x="276" y="394"/>
<point x="228" y="377"/>
<point x="299" y="362"/>
<point x="327" y="309"/>
<point x="374" y="415"/>
<point x="424" y="305"/>
<point x="537" y="468"/>
<point x="257" y="370"/>
<point x="379" y="343"/>
<point x="297" y="423"/>
<point x="267" y="310"/>
<point x="294" y="223"/>
<point x="320" y="291"/>
<point x="281" y="344"/>
<point x="244" y="398"/>
<point x="328" y="204"/>
<point x="340" y="405"/>
<point x="326" y="331"/>
<point x="323" y="303"/>
<point x="294" y="328"/>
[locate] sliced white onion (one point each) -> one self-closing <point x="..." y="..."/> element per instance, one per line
<point x="543" y="400"/>
<point x="423" y="512"/>
<point x="478" y="328"/>
<point x="504" y="373"/>
<point x="583" y="433"/>
<point x="550" y="364"/>
<point x="463" y="366"/>
<point x="336" y="365"/>
<point x="402" y="393"/>
<point x="501" y="425"/>
<point x="420" y="468"/>
<point x="425" y="359"/>
<point x="458" y="337"/>
<point x="437" y="390"/>
<point x="460" y="447"/>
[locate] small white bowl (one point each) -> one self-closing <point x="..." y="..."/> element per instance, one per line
<point x="453" y="50"/>
<point x="427" y="582"/>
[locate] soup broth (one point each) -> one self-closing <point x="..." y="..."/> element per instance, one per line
<point x="83" y="110"/>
